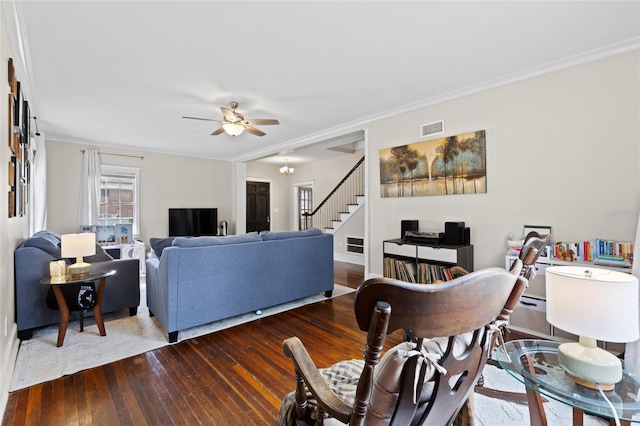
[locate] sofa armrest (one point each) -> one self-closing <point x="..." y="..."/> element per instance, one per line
<point x="123" y="289"/>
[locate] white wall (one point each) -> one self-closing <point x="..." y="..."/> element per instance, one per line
<point x="353" y="227"/>
<point x="12" y="231"/>
<point x="562" y="150"/>
<point x="279" y="189"/>
<point x="165" y="181"/>
<point x="325" y="175"/>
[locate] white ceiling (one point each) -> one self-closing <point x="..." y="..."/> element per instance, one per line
<point x="123" y="73"/>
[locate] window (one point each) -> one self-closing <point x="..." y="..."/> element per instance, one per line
<point x="119" y="196"/>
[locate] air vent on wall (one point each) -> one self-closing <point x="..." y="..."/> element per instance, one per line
<point x="431" y="129"/>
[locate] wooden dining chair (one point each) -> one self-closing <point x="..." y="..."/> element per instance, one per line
<point x="424" y="381"/>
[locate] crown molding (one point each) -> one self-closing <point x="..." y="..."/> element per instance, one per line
<point x="568" y="62"/>
<point x="16" y="31"/>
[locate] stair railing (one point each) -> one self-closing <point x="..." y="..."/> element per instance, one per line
<point x="338" y="200"/>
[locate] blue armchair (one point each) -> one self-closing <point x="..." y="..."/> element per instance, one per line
<point x="31" y="264"/>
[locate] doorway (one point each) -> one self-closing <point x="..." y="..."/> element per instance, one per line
<point x="305" y="206"/>
<point x="258" y="207"/>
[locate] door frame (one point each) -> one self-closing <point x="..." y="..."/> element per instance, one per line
<point x="294" y="198"/>
<point x="264" y="180"/>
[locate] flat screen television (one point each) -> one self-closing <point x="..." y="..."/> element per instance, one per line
<point x="193" y="222"/>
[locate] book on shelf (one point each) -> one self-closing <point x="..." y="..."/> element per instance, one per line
<point x="422" y="273"/>
<point x="588" y="251"/>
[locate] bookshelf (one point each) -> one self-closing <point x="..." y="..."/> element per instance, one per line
<point x="424" y="263"/>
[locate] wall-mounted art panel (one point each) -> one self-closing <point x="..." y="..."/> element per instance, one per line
<point x="445" y="166"/>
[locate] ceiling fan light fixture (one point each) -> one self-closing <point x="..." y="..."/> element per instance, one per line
<point x="233" y="129"/>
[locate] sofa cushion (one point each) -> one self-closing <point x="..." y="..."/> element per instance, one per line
<point x="46" y="241"/>
<point x="100" y="256"/>
<point x="268" y="235"/>
<point x="159" y="244"/>
<point x="251" y="237"/>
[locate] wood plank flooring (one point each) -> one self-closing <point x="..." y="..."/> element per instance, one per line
<point x="236" y="376"/>
<point x="233" y="377"/>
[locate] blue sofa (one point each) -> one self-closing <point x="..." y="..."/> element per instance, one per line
<point x="195" y="281"/>
<point x="31" y="263"/>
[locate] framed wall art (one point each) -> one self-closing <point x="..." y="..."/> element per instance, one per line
<point x="445" y="166"/>
<point x="25" y="130"/>
<point x="11" y="77"/>
<point x="12" y="172"/>
<point x="10" y="122"/>
<point x="17" y="109"/>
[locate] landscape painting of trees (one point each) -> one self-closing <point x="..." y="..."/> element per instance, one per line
<point x="446" y="166"/>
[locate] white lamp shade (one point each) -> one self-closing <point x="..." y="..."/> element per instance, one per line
<point x="602" y="306"/>
<point x="78" y="245"/>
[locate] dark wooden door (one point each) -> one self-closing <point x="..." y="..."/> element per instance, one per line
<point x="258" y="195"/>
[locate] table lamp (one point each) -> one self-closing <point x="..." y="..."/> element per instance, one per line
<point x="595" y="304"/>
<point x="78" y="245"/>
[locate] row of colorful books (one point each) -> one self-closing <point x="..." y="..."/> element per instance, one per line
<point x="588" y="251"/>
<point x="422" y="273"/>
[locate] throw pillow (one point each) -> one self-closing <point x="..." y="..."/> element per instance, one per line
<point x="100" y="256"/>
<point x="159" y="244"/>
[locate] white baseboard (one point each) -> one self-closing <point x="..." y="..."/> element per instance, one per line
<point x="349" y="258"/>
<point x="6" y="368"/>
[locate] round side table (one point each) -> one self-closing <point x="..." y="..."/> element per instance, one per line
<point x="59" y="282"/>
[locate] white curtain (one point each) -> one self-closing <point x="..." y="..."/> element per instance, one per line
<point x="89" y="189"/>
<point x="38" y="193"/>
<point x="632" y="351"/>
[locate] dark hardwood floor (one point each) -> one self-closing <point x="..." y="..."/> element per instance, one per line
<point x="234" y="377"/>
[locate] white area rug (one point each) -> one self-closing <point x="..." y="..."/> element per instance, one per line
<point x="39" y="360"/>
<point x="495" y="412"/>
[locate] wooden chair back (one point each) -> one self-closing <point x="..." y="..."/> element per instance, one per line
<point x="532" y="248"/>
<point x="468" y="305"/>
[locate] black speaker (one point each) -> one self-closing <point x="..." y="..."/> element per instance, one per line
<point x="467" y="237"/>
<point x="408" y="225"/>
<point x="454" y="233"/>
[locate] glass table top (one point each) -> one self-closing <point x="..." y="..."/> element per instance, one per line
<point x="535" y="363"/>
<point x="68" y="279"/>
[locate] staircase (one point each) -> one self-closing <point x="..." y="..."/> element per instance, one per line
<point x="345" y="215"/>
<point x="342" y="202"/>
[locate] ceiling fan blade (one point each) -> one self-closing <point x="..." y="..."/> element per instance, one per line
<point x="254" y="131"/>
<point x="228" y="113"/>
<point x="217" y="132"/>
<point x="263" y="121"/>
<point x="198" y="118"/>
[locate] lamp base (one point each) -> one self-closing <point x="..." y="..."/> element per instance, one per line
<point x="589" y="365"/>
<point x="79" y="270"/>
<point x="588" y="384"/>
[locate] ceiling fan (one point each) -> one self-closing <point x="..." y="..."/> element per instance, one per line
<point x="234" y="123"/>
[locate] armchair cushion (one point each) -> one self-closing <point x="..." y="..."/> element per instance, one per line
<point x="343" y="377"/>
<point x="100" y="256"/>
<point x="45" y="241"/>
<point x="49" y="242"/>
<point x="159" y="244"/>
